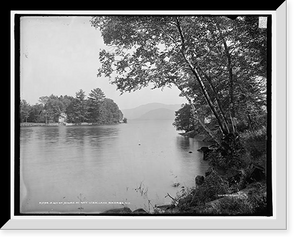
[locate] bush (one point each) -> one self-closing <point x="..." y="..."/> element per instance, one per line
<point x="255" y="142"/>
<point x="211" y="189"/>
<point x="252" y="203"/>
<point x="230" y="206"/>
<point x="234" y="206"/>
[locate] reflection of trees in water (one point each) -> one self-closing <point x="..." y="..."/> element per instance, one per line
<point x="94" y="135"/>
<point x="26" y="134"/>
<point x="48" y="134"/>
<point x="183" y="143"/>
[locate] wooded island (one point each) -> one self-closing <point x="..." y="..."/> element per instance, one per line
<point x="95" y="108"/>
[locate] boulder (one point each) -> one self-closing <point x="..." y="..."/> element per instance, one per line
<point x="205" y="151"/>
<point x="208" y="172"/>
<point x="235" y="177"/>
<point x="256" y="173"/>
<point x="139" y="211"/>
<point x="166" y="209"/>
<point x="199" y="180"/>
<point x="124" y="210"/>
<point x="176" y="184"/>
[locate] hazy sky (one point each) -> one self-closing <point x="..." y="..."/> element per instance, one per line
<point x="59" y="55"/>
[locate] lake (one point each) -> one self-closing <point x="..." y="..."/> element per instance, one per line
<point x="90" y="169"/>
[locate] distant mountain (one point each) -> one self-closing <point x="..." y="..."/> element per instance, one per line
<point x="158" y="114"/>
<point x="139" y="111"/>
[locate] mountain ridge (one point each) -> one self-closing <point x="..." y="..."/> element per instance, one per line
<point x="139" y="111"/>
<point x="158" y="114"/>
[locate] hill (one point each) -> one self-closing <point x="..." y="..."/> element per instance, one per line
<point x="139" y="111"/>
<point x="158" y="114"/>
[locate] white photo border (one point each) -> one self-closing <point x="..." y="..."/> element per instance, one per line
<point x="279" y="152"/>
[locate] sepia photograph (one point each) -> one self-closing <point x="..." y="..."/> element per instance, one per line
<point x="145" y="115"/>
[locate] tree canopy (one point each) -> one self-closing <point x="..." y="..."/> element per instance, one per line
<point x="218" y="64"/>
<point x="94" y="109"/>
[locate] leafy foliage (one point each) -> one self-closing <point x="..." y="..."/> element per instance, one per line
<point x="24" y="110"/>
<point x="217" y="63"/>
<point x="184" y="119"/>
<point x="95" y="109"/>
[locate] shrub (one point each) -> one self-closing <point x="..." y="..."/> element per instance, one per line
<point x="230" y="206"/>
<point x="211" y="189"/>
<point x="255" y="142"/>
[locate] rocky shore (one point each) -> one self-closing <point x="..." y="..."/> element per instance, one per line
<point x="235" y="184"/>
<point x="216" y="193"/>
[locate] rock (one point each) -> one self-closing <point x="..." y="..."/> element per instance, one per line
<point x="234" y="177"/>
<point x="164" y="206"/>
<point x="139" y="211"/>
<point x="205" y="151"/>
<point x="199" y="180"/>
<point x="208" y="172"/>
<point x="176" y="184"/>
<point x="124" y="210"/>
<point x="256" y="173"/>
<point x="190" y="152"/>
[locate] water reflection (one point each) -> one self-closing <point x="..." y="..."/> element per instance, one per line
<point x="183" y="143"/>
<point x="26" y="133"/>
<point x="95" y="135"/>
<point x="106" y="163"/>
<point x="47" y="134"/>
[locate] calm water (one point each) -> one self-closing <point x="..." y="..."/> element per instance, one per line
<point x="94" y="168"/>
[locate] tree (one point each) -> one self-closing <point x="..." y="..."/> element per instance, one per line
<point x="109" y="112"/>
<point x="95" y="109"/>
<point x="24" y="110"/>
<point x="80" y="108"/>
<point x="71" y="111"/>
<point x="65" y="100"/>
<point x="184" y="119"/>
<point x="35" y="114"/>
<point x="96" y="97"/>
<point x="54" y="108"/>
<point x="210" y="59"/>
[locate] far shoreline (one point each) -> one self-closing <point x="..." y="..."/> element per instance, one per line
<point x="33" y="124"/>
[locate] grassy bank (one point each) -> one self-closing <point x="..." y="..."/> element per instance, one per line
<point x="235" y="184"/>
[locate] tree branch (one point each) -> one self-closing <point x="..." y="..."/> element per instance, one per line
<point x="229" y="67"/>
<point x="198" y="78"/>
<point x="196" y="116"/>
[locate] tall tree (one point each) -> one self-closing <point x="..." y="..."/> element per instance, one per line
<point x="54" y="108"/>
<point x="97" y="95"/>
<point x="24" y="110"/>
<point x="211" y="55"/>
<point x="80" y="106"/>
<point x="112" y="111"/>
<point x="95" y="99"/>
<point x="36" y="113"/>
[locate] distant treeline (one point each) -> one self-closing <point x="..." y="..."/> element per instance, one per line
<point x="94" y="108"/>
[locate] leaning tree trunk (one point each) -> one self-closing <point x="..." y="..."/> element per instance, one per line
<point x="197" y="117"/>
<point x="230" y="77"/>
<point x="208" y="99"/>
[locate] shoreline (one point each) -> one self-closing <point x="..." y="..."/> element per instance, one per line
<point x="32" y="124"/>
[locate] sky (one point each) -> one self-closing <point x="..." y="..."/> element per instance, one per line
<point x="59" y="55"/>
